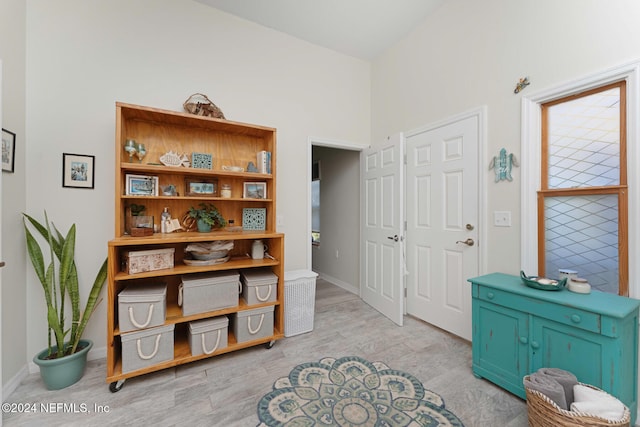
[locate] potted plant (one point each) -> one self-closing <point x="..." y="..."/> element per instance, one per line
<point x="206" y="217"/>
<point x="64" y="361"/>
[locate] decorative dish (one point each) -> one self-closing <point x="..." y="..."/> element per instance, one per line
<point x="196" y="262"/>
<point x="543" y="283"/>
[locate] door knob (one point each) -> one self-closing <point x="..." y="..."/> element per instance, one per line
<point x="468" y="242"/>
<point x="469" y="227"/>
<point x="394" y="238"/>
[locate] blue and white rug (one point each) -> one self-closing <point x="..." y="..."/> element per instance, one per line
<point x="351" y="391"/>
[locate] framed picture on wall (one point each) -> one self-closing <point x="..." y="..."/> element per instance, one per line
<point x="78" y="170"/>
<point x="8" y="150"/>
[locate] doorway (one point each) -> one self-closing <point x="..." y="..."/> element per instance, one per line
<point x="335" y="256"/>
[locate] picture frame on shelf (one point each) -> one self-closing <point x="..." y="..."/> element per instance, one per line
<point x="78" y="170"/>
<point x="8" y="150"/>
<point x="201" y="187"/>
<point x="254" y="190"/>
<point x="141" y="185"/>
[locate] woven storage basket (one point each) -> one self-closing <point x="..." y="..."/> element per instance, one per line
<point x="200" y="105"/>
<point x="543" y="412"/>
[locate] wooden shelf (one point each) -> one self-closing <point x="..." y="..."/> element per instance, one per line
<point x="182" y="355"/>
<point x="174" y="313"/>
<point x="229" y="144"/>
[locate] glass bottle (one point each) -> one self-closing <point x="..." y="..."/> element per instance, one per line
<point x="165" y="218"/>
<point x="225" y="191"/>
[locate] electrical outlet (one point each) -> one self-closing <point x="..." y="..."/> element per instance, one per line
<point x="502" y="218"/>
<point x="279" y="220"/>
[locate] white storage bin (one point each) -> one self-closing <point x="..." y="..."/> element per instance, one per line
<point x="142" y="306"/>
<point x="208" y="335"/>
<point x="299" y="301"/>
<point x="203" y="292"/>
<point x="151" y="260"/>
<point x="147" y="347"/>
<point x="253" y="324"/>
<point x="259" y="285"/>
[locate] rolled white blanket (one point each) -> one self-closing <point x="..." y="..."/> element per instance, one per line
<point x="597" y="402"/>
<point x="548" y="386"/>
<point x="566" y="379"/>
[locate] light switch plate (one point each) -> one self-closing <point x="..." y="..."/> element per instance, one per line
<point x="502" y="218"/>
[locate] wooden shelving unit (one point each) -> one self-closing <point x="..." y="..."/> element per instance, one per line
<point x="230" y="144"/>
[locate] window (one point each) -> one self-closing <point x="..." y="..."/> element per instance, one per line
<point x="582" y="200"/>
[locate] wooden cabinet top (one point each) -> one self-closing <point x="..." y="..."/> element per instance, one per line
<point x="599" y="302"/>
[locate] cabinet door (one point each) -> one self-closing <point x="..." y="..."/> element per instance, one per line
<point x="500" y="345"/>
<point x="561" y="346"/>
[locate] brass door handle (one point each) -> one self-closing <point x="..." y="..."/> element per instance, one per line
<point x="468" y="242"/>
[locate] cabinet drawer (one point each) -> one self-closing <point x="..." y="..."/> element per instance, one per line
<point x="567" y="315"/>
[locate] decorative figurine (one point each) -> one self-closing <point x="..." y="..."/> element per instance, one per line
<point x="174" y="159"/>
<point x="502" y="165"/>
<point x="524" y="82"/>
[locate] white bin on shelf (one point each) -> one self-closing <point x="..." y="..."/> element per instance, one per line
<point x="299" y="301"/>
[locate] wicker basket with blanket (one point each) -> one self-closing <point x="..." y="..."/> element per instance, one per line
<point x="542" y="411"/>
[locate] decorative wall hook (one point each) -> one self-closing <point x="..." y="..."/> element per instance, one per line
<point x="524" y="82"/>
<point x="502" y="165"/>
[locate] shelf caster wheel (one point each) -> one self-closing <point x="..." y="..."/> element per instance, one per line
<point x="270" y="344"/>
<point x="116" y="386"/>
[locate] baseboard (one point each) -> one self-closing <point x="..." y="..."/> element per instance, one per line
<point x="339" y="283"/>
<point x="14" y="382"/>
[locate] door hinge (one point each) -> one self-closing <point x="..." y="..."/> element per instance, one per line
<point x="405" y="159"/>
<point x="405" y="226"/>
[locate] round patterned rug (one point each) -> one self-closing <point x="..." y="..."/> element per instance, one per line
<point x="351" y="391"/>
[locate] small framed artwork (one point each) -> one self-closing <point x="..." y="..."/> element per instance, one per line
<point x="254" y="190"/>
<point x="201" y="187"/>
<point x="8" y="150"/>
<point x="141" y="185"/>
<point x="78" y="170"/>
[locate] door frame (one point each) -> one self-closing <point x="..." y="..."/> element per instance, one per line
<point x="481" y="114"/>
<point x="322" y="142"/>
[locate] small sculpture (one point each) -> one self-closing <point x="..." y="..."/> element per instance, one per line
<point x="502" y="165"/>
<point x="524" y="82"/>
<point x="174" y="159"/>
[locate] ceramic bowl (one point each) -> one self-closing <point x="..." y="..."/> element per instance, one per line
<point x="206" y="256"/>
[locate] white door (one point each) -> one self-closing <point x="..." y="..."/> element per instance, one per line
<point x="442" y="222"/>
<point x="381" y="210"/>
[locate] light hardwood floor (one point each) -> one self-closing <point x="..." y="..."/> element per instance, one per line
<point x="224" y="390"/>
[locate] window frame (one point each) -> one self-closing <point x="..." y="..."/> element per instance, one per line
<point x="531" y="154"/>
<point x="620" y="190"/>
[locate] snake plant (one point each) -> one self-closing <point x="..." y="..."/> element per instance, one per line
<point x="61" y="286"/>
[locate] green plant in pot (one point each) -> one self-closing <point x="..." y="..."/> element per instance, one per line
<point x="207" y="216"/>
<point x="64" y="360"/>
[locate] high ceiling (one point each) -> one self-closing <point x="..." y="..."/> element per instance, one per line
<point x="359" y="28"/>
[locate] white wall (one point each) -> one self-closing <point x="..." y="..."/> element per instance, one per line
<point x="83" y="56"/>
<point x="472" y="53"/>
<point x="13" y="293"/>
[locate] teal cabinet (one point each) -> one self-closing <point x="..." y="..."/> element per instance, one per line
<point x="517" y="330"/>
